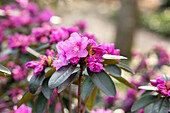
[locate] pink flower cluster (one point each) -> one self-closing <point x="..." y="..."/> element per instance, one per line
<point x="45" y="61"/>
<point x="162" y="85"/>
<point x="101" y="111"/>
<point x="19" y="72"/>
<point x="71" y="50"/>
<point x="20" y="40"/>
<point x="24" y="15"/>
<point x="74" y="48"/>
<point x="163" y="56"/>
<point x="22" y="109"/>
<point x="94" y="61"/>
<point x="16" y="93"/>
<point x="55" y="34"/>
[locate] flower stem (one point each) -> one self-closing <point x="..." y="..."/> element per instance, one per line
<point x="70" y="99"/>
<point x="61" y="102"/>
<point x="79" y="89"/>
<point x="48" y="105"/>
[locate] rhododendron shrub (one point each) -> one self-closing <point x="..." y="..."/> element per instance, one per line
<point x="157" y="100"/>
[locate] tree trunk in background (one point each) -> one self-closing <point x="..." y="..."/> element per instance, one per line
<point x="126" y="26"/>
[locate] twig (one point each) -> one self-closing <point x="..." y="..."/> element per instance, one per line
<point x="79" y="90"/>
<point x="70" y="99"/>
<point x="48" y="105"/>
<point x="33" y="52"/>
<point x="61" y="102"/>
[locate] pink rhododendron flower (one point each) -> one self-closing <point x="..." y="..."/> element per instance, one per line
<point x="38" y="66"/>
<point x="50" y="53"/>
<point x="22" y="109"/>
<point x="101" y="111"/>
<point x="60" y="61"/>
<point x="95" y="66"/>
<point x="19" y="72"/>
<point x="58" y="35"/>
<point x="71" y="50"/>
<point x="110" y="48"/>
<point x="23" y="3"/>
<point x="162" y="85"/>
<point x="20" y="40"/>
<point x="90" y="36"/>
<point x="16" y="94"/>
<point x="45" y="15"/>
<point x="82" y="24"/>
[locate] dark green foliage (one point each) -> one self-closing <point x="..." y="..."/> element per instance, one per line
<point x="87" y="88"/>
<point x="103" y="81"/>
<point x="35" y="82"/>
<point x="60" y="76"/>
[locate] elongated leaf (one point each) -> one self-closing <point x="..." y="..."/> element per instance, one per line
<point x="124" y="81"/>
<point x="113" y="70"/>
<point x="47" y="92"/>
<point x="126" y="68"/>
<point x="110" y="61"/>
<point x="87" y="88"/>
<point x="49" y="71"/>
<point x="92" y="99"/>
<point x="60" y="76"/>
<point x="41" y="103"/>
<point x="103" y="81"/>
<point x="26" y="98"/>
<point x="69" y="80"/>
<point x="4" y="71"/>
<point x="148" y="87"/>
<point x="35" y="82"/>
<point x="161" y="106"/>
<point x="108" y="56"/>
<point x="143" y="101"/>
<point x="148" y="109"/>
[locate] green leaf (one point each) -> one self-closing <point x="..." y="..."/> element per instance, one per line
<point x="124" y="81"/>
<point x="161" y="106"/>
<point x="35" y="82"/>
<point x="47" y="92"/>
<point x="49" y="71"/>
<point x="41" y="103"/>
<point x="4" y="71"/>
<point x="103" y="81"/>
<point x="148" y="87"/>
<point x="113" y="70"/>
<point x="87" y="88"/>
<point x="110" y="61"/>
<point x="148" y="109"/>
<point x="126" y="68"/>
<point x="143" y="101"/>
<point x="67" y="82"/>
<point x="88" y="47"/>
<point x="26" y="98"/>
<point x="92" y="99"/>
<point x="60" y="76"/>
<point x="108" y="56"/>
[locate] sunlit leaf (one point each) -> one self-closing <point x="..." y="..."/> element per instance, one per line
<point x="143" y="101"/>
<point x="35" y="82"/>
<point x="4" y="71"/>
<point x="126" y="68"/>
<point x="113" y="70"/>
<point x="148" y="87"/>
<point x="92" y="99"/>
<point x="49" y="71"/>
<point x="87" y="88"/>
<point x="110" y="61"/>
<point x="103" y="81"/>
<point x="60" y="76"/>
<point x="67" y="82"/>
<point x="26" y="98"/>
<point x="108" y="56"/>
